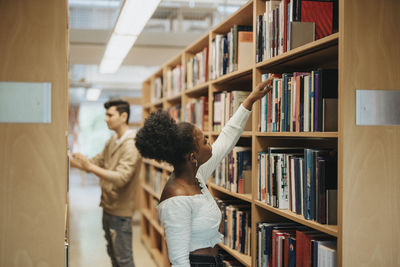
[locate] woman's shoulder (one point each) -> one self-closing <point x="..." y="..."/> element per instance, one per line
<point x="173" y="189"/>
<point x="177" y="191"/>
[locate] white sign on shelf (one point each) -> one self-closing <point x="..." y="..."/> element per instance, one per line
<point x="25" y="102"/>
<point x="377" y="107"/>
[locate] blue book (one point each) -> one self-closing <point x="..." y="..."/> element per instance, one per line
<point x="292" y="251"/>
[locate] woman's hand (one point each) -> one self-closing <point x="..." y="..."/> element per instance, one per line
<point x="261" y="90"/>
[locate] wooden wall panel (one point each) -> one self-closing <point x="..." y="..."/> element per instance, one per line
<point x="33" y="48"/>
<point x="369" y="59"/>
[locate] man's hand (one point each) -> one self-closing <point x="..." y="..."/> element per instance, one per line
<point x="81" y="162"/>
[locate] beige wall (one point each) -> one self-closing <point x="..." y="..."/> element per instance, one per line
<point x="33" y="48"/>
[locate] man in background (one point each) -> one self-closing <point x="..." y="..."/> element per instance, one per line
<point x="117" y="167"/>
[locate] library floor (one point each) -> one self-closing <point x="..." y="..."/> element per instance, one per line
<point x="87" y="243"/>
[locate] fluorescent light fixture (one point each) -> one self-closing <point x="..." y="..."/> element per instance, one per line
<point x="117" y="48"/>
<point x="131" y="21"/>
<point x="92" y="94"/>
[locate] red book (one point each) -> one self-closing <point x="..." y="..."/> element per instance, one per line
<point x="303" y="246"/>
<point x="320" y="12"/>
<point x="301" y="238"/>
<point x="285" y="24"/>
<point x="279" y="252"/>
<point x="286" y="249"/>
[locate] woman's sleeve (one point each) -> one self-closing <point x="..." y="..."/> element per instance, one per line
<point x="176" y="219"/>
<point x="225" y="142"/>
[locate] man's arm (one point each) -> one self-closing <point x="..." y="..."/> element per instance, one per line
<point x="123" y="171"/>
<point x="83" y="163"/>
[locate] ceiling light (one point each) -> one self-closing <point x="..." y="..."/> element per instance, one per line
<point x="131" y="21"/>
<point x="92" y="94"/>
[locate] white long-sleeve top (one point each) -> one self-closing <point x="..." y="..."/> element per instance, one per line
<point x="192" y="222"/>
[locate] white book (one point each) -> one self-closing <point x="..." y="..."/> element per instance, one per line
<point x="263" y="172"/>
<point x="292" y="184"/>
<point x="327" y="254"/>
<point x="301" y="162"/>
<point x="270" y="6"/>
<point x="312" y="102"/>
<point x="283" y="182"/>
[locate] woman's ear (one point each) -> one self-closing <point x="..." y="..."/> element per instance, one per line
<point x="193" y="159"/>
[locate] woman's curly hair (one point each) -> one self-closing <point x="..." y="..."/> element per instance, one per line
<point x="163" y="140"/>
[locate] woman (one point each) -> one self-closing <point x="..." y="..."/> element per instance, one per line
<point x="188" y="212"/>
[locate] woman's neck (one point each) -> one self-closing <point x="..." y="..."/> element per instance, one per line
<point x="186" y="171"/>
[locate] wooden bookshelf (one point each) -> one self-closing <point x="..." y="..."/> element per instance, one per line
<point x="367" y="155"/>
<point x="245" y="197"/>
<point x="244" y="259"/>
<point x="33" y="160"/>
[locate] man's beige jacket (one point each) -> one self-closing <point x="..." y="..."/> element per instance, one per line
<point x="122" y="162"/>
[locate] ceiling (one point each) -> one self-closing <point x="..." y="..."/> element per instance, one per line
<point x="174" y="25"/>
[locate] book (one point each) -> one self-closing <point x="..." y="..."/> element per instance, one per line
<point x="320" y="12"/>
<point x="245" y="49"/>
<point x="327" y="254"/>
<point x="329" y="114"/>
<point x="303" y="245"/>
<point x="326" y="87"/>
<point x="331" y="206"/>
<point x="235" y="33"/>
<point x="292" y="251"/>
<point x="300" y="33"/>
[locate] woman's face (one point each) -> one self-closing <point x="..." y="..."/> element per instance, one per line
<point x="205" y="150"/>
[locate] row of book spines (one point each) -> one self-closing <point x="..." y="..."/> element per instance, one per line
<point x="301" y="180"/>
<point x="288" y="24"/>
<point x="286" y="244"/>
<point x="234" y="172"/>
<point x="175" y="112"/>
<point x="196" y="112"/>
<point x="174" y="81"/>
<point x="231" y="51"/>
<point x="225" y="104"/>
<point x="196" y="71"/>
<point x="299" y="102"/>
<point x="171" y="84"/>
<point x="236" y="226"/>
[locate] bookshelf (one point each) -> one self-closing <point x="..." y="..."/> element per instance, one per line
<point x="367" y="168"/>
<point x="34" y="163"/>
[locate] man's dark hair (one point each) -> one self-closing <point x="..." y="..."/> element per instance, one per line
<point x="121" y="106"/>
<point x="163" y="140"/>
